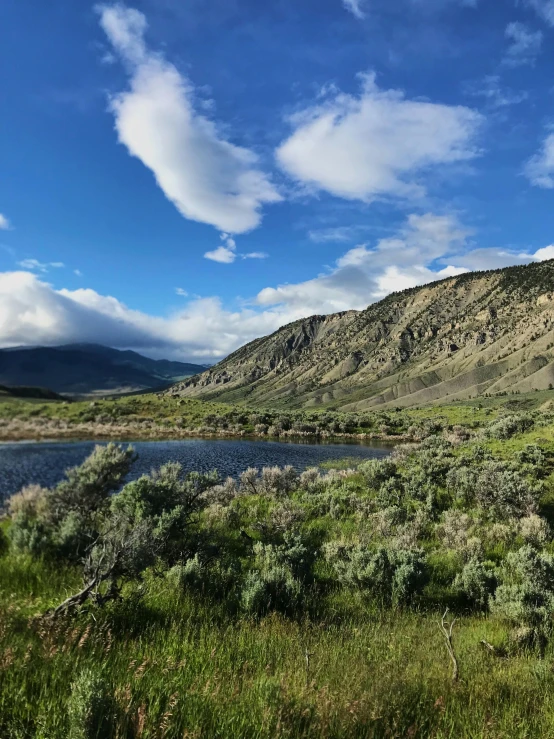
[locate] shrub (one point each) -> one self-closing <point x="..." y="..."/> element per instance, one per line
<point x="526" y="597"/>
<point x="64" y="520"/>
<point x="274" y="589"/>
<point x="534" y="530"/>
<point x="378" y="471"/>
<point x="277" y="582"/>
<point x="476" y="583"/>
<point x="503" y="492"/>
<point x="392" y="576"/>
<point x="505" y="428"/>
<point x="277" y="481"/>
<point x="89" y="709"/>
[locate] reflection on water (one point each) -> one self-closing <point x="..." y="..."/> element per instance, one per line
<point x="44" y="463"/>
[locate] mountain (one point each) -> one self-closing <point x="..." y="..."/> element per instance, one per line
<point x="86" y="369"/>
<point x="481" y="332"/>
<point x="37" y="393"/>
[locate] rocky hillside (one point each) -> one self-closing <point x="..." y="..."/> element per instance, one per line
<point x="483" y="332"/>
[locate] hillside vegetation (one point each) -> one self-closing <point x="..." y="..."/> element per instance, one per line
<point x="281" y="604"/>
<point x="173" y="417"/>
<point x="478" y="334"/>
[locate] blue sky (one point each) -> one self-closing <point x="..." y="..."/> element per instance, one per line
<point x="182" y="177"/>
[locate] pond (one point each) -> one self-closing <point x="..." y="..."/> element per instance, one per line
<point x="44" y="463"/>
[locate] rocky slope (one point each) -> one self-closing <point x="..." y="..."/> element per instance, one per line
<point x="483" y="332"/>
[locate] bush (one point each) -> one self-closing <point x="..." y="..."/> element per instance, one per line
<point x="534" y="530"/>
<point x="276" y="584"/>
<point x="477" y="583"/>
<point x="89" y="709"/>
<point x="273" y="589"/>
<point x="378" y="471"/>
<point x="64" y="520"/>
<point x="502" y="492"/>
<point x="505" y="428"/>
<point x="526" y="597"/>
<point x="392" y="576"/>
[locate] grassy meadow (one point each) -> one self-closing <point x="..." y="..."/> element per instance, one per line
<point x="286" y="604"/>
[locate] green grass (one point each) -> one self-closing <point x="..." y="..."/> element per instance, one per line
<point x="177" y="666"/>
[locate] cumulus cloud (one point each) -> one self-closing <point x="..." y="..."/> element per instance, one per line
<point x="226" y="253"/>
<point x="204" y="175"/>
<point x="376" y="145"/>
<point x="539" y="170"/>
<point x="525" y="44"/>
<point x="365" y="274"/>
<point x="32" y="312"/>
<point x="356" y="7"/>
<point x="4" y="223"/>
<point x="427" y="248"/>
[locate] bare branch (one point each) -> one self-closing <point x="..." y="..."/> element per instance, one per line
<point x="446" y="630"/>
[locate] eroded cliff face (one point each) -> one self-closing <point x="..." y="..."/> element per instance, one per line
<point x="474" y="334"/>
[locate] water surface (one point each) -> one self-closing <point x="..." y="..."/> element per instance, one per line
<point x="45" y="462"/>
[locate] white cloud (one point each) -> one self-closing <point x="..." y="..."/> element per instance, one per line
<point x="77" y="272"/>
<point x="545" y="9"/>
<point x="4" y="223"/>
<point x="539" y="170"/>
<point x="35" y="265"/>
<point x="335" y="234"/>
<point x="224" y="254"/>
<point x="427" y="248"/>
<point x="376" y="145"/>
<point x="363" y="274"/>
<point x="33" y="313"/>
<point x="355" y="7"/>
<point x="525" y="44"/>
<point x="205" y="176"/>
<point x="182" y="293"/>
<point x="547" y="252"/>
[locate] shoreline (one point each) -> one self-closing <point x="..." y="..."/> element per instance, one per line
<point x="21" y="432"/>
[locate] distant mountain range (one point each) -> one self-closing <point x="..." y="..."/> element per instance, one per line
<point x="482" y="332"/>
<point x="89" y="369"/>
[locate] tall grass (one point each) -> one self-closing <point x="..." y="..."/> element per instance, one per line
<point x="177" y="665"/>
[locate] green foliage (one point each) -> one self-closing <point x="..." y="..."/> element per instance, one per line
<point x="63" y="521"/>
<point x="90" y="708"/>
<point x="477" y="583"/>
<point x="391" y="576"/>
<point x="526" y="597"/>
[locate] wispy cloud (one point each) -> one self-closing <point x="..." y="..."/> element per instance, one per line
<point x="204" y="175"/>
<point x="227" y="253"/>
<point x="4" y="223"/>
<point x="356" y="7"/>
<point x="494" y="94"/>
<point x="182" y="293"/>
<point x="525" y="44"/>
<point x="544" y="8"/>
<point x="539" y="170"/>
<point x="376" y="145"/>
<point x="35" y="265"/>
